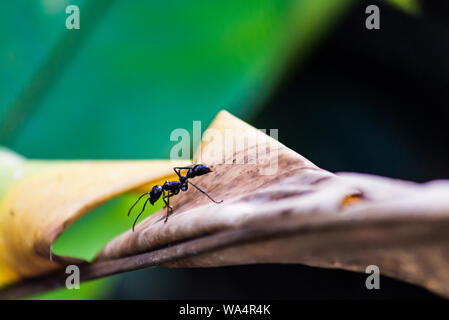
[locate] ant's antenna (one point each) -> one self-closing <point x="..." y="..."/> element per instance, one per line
<point x="136" y="203"/>
<point x="203" y="192"/>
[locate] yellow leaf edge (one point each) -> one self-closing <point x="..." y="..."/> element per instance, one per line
<point x="40" y="205"/>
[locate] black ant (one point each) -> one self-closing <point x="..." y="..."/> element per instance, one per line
<point x="172" y="188"/>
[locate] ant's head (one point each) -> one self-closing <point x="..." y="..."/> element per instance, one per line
<point x="199" y="170"/>
<point x="155" y="193"/>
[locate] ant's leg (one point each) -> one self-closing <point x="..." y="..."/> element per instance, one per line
<point x="138" y="216"/>
<point x="203" y="192"/>
<point x="136" y="203"/>
<point x="163" y="198"/>
<point x="178" y="170"/>
<point x="168" y="209"/>
<point x="167" y="203"/>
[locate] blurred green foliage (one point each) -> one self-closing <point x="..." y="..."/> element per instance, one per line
<point x="143" y="69"/>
